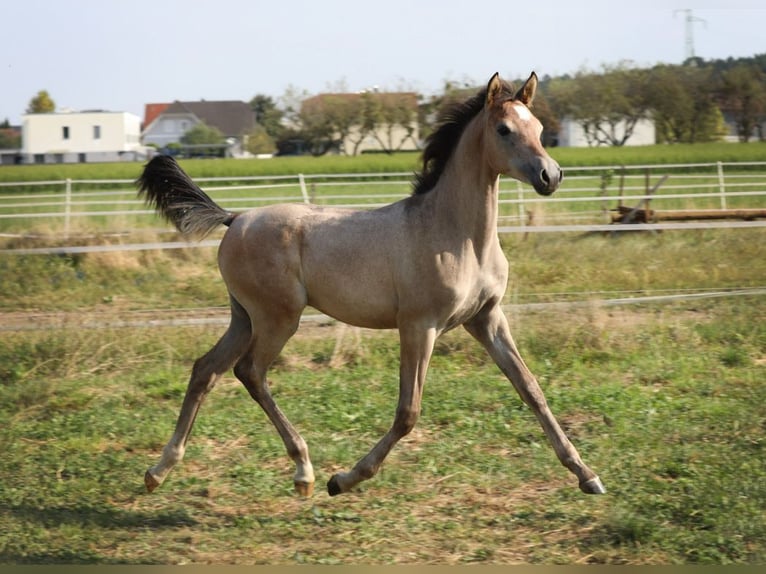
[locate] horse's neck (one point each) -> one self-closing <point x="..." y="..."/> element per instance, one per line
<point x="466" y="197"/>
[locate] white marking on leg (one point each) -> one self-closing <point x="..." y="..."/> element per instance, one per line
<point x="304" y="472"/>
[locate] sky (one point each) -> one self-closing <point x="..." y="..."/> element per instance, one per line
<point x="119" y="55"/>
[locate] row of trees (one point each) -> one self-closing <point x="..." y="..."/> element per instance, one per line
<point x="338" y="122"/>
<point x="688" y="103"/>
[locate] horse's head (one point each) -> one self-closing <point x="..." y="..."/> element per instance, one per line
<point x="513" y="136"/>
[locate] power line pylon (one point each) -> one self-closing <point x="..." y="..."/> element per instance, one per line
<point x="691" y="20"/>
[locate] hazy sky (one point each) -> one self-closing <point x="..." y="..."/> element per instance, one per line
<point x="120" y="55"/>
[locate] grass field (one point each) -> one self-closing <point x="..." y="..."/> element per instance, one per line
<point x="665" y="401"/>
<point x="400" y="162"/>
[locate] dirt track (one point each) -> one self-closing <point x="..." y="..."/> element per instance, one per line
<point x="115" y="318"/>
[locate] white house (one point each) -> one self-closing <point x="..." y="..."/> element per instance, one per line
<point x="572" y="134"/>
<point x="79" y="137"/>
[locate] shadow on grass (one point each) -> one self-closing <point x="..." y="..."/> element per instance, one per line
<point x="89" y="516"/>
<point x="61" y="558"/>
<point x="86" y="517"/>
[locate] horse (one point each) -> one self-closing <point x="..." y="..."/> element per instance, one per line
<point x="423" y="265"/>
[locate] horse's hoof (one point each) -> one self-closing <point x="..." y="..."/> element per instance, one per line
<point x="593" y="486"/>
<point x="304" y="489"/>
<point x="150" y="481"/>
<point x="333" y="487"/>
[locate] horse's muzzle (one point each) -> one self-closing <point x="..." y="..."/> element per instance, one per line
<point x="547" y="180"/>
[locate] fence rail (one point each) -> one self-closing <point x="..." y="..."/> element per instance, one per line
<point x="584" y="202"/>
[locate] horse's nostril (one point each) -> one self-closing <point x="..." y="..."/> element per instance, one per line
<point x="544" y="177"/>
<point x="561" y="175"/>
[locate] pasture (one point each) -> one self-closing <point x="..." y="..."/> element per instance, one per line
<point x="666" y="400"/>
<point x="663" y="398"/>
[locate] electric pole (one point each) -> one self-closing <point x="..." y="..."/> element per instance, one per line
<point x="691" y="19"/>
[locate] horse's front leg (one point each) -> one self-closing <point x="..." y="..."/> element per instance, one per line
<point x="416" y="348"/>
<point x="491" y="329"/>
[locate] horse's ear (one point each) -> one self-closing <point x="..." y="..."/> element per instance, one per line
<point x="527" y="92"/>
<point x="494" y="90"/>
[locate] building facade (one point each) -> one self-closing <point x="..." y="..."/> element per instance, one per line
<point x="81" y="137"/>
<point x="572" y="134"/>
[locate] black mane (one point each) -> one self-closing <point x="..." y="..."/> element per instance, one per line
<point x="443" y="140"/>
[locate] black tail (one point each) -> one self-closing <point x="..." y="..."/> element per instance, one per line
<point x="166" y="187"/>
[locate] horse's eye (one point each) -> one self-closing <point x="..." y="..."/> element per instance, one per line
<point x="503" y="130"/>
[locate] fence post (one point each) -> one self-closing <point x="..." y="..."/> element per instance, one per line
<point x="721" y="185"/>
<point x="67" y="206"/>
<point x="304" y="191"/>
<point x="522" y="214"/>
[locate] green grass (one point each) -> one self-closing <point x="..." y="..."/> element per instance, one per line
<point x="674" y="429"/>
<point x="400" y="162"/>
<point x="665" y="401"/>
<point x="660" y="154"/>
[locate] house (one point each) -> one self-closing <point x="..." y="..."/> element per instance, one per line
<point x="79" y="137"/>
<point x="572" y="134"/>
<point x="166" y="124"/>
<point x="391" y="120"/>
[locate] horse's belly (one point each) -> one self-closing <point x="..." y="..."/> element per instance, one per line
<point x="358" y="309"/>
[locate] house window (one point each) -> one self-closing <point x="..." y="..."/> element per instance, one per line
<point x="65" y="132"/>
<point x="96" y="132"/>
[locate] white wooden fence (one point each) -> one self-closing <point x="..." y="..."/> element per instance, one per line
<point x="583" y="202"/>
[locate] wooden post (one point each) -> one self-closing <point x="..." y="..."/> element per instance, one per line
<point x="722" y="185"/>
<point x="67" y="206"/>
<point x="304" y="191"/>
<point x="522" y="215"/>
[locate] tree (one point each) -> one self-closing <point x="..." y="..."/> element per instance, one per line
<point x="543" y="112"/>
<point x="329" y="121"/>
<point x="325" y="121"/>
<point x="682" y="100"/>
<point x="9" y="138"/>
<point x="607" y="105"/>
<point x="431" y="110"/>
<point x="394" y="120"/>
<point x="260" y="142"/>
<point x="41" y="104"/>
<point x="291" y="140"/>
<point x="743" y="95"/>
<point x="202" y="134"/>
<point x="362" y="111"/>
<point x="268" y="115"/>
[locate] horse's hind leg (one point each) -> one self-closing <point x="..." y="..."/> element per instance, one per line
<point x="206" y="372"/>
<point x="268" y="341"/>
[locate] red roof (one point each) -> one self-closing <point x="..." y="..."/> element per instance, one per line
<point x="151" y="111"/>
